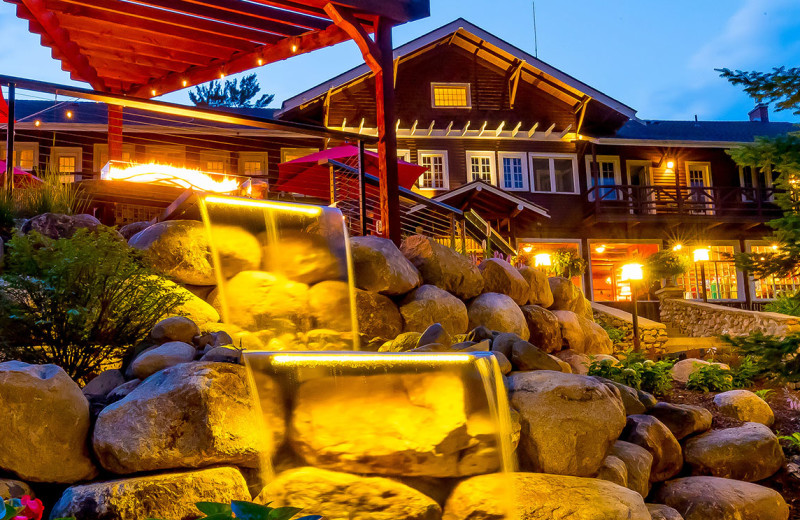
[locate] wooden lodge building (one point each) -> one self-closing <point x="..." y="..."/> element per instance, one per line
<point x="491" y="123"/>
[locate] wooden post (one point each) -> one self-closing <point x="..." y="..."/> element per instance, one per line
<point x="362" y="189"/>
<point x="463" y="226"/>
<point x="114" y="133"/>
<point x="596" y="179"/>
<point x="387" y="134"/>
<point x="635" y="318"/>
<point x="452" y="231"/>
<point x="8" y="182"/>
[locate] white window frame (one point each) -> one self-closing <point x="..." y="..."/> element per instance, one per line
<point x="468" y="87"/>
<point x="445" y="168"/>
<point x="297" y="153"/>
<point x="100" y="149"/>
<point x="18" y="147"/>
<point x="525" y="170"/>
<point x="210" y="155"/>
<point x="403" y="154"/>
<point x="751" y="280"/>
<point x="603" y="158"/>
<point x="576" y="241"/>
<point x="492" y="164"/>
<point x="576" y="183"/>
<point x="61" y="151"/>
<point x="261" y="157"/>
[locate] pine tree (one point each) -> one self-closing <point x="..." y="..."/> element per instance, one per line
<point x="233" y="93"/>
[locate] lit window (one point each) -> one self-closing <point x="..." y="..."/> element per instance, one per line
<point x="554" y="173"/>
<point x="721" y="276"/>
<point x="290" y="154"/>
<point x="215" y="166"/>
<point x="771" y="287"/>
<point x="514" y="171"/>
<point x="435" y="177"/>
<point x="253" y="168"/>
<point x="481" y="166"/>
<point x="66" y="164"/>
<point x="26" y="159"/>
<point x="451" y="95"/>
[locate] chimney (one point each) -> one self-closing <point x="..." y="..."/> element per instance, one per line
<point x="760" y="113"/>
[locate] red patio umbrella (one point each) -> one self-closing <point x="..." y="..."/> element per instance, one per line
<point x="21" y="177"/>
<point x="310" y="175"/>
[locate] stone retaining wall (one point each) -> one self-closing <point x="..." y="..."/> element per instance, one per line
<point x="652" y="335"/>
<point x="700" y="320"/>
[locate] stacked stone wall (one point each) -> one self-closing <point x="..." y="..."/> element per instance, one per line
<point x="701" y="320"/>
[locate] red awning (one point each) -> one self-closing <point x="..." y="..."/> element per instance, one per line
<point x="3" y="110"/>
<point x="21" y="177"/>
<point x="310" y="175"/>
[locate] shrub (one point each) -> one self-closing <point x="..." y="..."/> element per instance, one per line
<point x="711" y="378"/>
<point x="636" y="371"/>
<point x="666" y="264"/>
<point x="245" y="511"/>
<point x="785" y="303"/>
<point x="745" y="373"/>
<point x="614" y="334"/>
<point x="78" y="302"/>
<point x="567" y="263"/>
<point x="793" y="440"/>
<point x="763" y="393"/>
<point x="774" y="355"/>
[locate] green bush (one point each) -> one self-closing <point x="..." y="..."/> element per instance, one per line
<point x="567" y="263"/>
<point x="711" y="378"/>
<point x="243" y="511"/>
<point x="636" y="371"/>
<point x="78" y="302"/>
<point x="778" y="357"/>
<point x="745" y="373"/>
<point x="666" y="264"/>
<point x="785" y="303"/>
<point x="614" y="334"/>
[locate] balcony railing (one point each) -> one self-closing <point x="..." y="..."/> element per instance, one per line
<point x="727" y="203"/>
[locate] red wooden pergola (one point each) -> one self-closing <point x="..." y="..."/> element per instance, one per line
<point x="146" y="48"/>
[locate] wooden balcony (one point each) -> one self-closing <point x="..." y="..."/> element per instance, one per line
<point x="627" y="203"/>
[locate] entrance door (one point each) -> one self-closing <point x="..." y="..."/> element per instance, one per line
<point x="641" y="186"/>
<point x="607" y="175"/>
<point x="699" y="177"/>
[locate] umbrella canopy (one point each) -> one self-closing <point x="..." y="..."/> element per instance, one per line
<point x="310" y="175"/>
<point x="21" y="177"/>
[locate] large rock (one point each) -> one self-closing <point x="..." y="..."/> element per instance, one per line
<point x="57" y="225"/>
<point x="428" y="305"/>
<point x="105" y="382"/>
<point x="443" y="267"/>
<point x="535" y="496"/>
<point x="662" y="512"/>
<point x="402" y="425"/>
<point x="713" y="498"/>
<point x="682" y="419"/>
<point x="638" y="462"/>
<point x="581" y="335"/>
<point x="577" y="361"/>
<point x="175" y="328"/>
<point x="167" y="355"/>
<point x="379" y="266"/>
<point x="497" y="312"/>
<point x="651" y="434"/>
<point x="750" y="452"/>
<point x="128" y="230"/>
<point x="613" y="469"/>
<point x="329" y="303"/>
<point x="744" y="405"/>
<point x="189" y="416"/>
<point x="501" y="277"/>
<point x="377" y="315"/>
<point x="181" y="249"/>
<point x="402" y="343"/>
<point x="541" y="294"/>
<point x="171" y="495"/>
<point x="683" y="369"/>
<point x="305" y="257"/>
<point x="544" y="328"/>
<point x="258" y="300"/>
<point x="341" y="496"/>
<point x="45" y="426"/>
<point x="525" y="356"/>
<point x="10" y="488"/>
<point x="569" y="421"/>
<point x="566" y="296"/>
<point x="202" y="313"/>
<point x="629" y="396"/>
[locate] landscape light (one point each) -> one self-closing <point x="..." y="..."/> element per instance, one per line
<point x="297" y="208"/>
<point x="677" y="247"/>
<point x="670" y="165"/>
<point x="631" y="272"/>
<point x="702" y="254"/>
<point x="542" y="259"/>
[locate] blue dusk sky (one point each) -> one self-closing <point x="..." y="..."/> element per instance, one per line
<point x="656" y="56"/>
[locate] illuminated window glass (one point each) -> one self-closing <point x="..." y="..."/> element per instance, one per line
<point x="721" y="276"/>
<point x="771" y="287"/>
<point x="66" y="164"/>
<point x="436" y="173"/>
<point x="215" y="166"/>
<point x="451" y="96"/>
<point x="26" y="159"/>
<point x="481" y="167"/>
<point x="253" y="168"/>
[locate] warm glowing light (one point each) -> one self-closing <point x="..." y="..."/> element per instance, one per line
<point x="527" y="249"/>
<point x="625" y="290"/>
<point x="670" y="165"/>
<point x="542" y="259"/>
<point x="167" y="175"/>
<point x="266" y="204"/>
<point x="631" y="272"/>
<point x="153" y="92"/>
<point x="260" y="61"/>
<point x="774" y="247"/>
<point x="702" y="254"/>
<point x="600" y="249"/>
<point x="294" y="48"/>
<point x="342" y="358"/>
<point x="221" y="75"/>
<point x="608" y="280"/>
<point x="69" y="114"/>
<point x="677" y="247"/>
<point x="37" y="123"/>
<point x="185" y="83"/>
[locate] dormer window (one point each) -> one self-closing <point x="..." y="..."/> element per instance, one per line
<point x="451" y="95"/>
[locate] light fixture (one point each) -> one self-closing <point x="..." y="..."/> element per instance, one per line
<point x="677" y="247"/>
<point x="774" y="247"/>
<point x="221" y="75"/>
<point x="670" y="165"/>
<point x="600" y="248"/>
<point x="542" y="260"/>
<point x="250" y="203"/>
<point x="608" y="280"/>
<point x="153" y="92"/>
<point x="37" y="123"/>
<point x="631" y="272"/>
<point x="260" y="62"/>
<point x="702" y="254"/>
<point x="185" y="83"/>
<point x="294" y="48"/>
<point x="528" y="248"/>
<point x="69" y="114"/>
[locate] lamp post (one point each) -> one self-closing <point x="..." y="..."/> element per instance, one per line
<point x="632" y="273"/>
<point x="702" y="255"/>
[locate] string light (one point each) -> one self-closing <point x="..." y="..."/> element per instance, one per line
<point x="69" y="114"/>
<point x="37" y="123"/>
<point x="260" y="62"/>
<point x="153" y="92"/>
<point x="185" y="83"/>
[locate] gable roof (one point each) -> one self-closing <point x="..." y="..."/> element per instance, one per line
<point x="702" y="132"/>
<point x="478" y="36"/>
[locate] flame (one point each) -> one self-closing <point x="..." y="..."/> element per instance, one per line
<point x="168" y="175"/>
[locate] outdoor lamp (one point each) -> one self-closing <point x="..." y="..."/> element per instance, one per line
<point x="702" y="255"/>
<point x="543" y="260"/>
<point x="632" y="273"/>
<point x="527" y="249"/>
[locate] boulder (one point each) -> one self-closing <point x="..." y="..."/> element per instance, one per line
<point x="544" y="328"/>
<point x="402" y="343"/>
<point x="613" y="469"/>
<point x="566" y="295"/>
<point x="377" y="315"/>
<point x="535" y="496"/>
<point x="504" y="342"/>
<point x="744" y="405"/>
<point x="497" y="312"/>
<point x="329" y="304"/>
<point x="428" y="305"/>
<point x="435" y="334"/>
<point x="158" y="358"/>
<point x="305" y="257"/>
<point x="569" y="421"/>
<point x="10" y="488"/>
<point x="202" y="313"/>
<point x="629" y="396"/>
<point x="682" y="419"/>
<point x="682" y="370"/>
<point x="713" y="498"/>
<point x="651" y="434"/>
<point x="227" y="354"/>
<point x="128" y="230"/>
<point x="479" y="333"/>
<point x="404" y="424"/>
<point x="502" y="361"/>
<point x="57" y="225"/>
<point x="122" y="390"/>
<point x="175" y="328"/>
<point x="342" y="496"/>
<point x="577" y="361"/>
<point x="750" y="452"/>
<point x="638" y="462"/>
<point x="582" y="335"/>
<point x="443" y="267"/>
<point x="525" y="356"/>
<point x="106" y="381"/>
<point x="662" y="512"/>
<point x="46" y="426"/>
<point x="541" y="294"/>
<point x="379" y="266"/>
<point x="258" y="300"/>
<point x="189" y="416"/>
<point x="501" y="277"/>
<point x="171" y="495"/>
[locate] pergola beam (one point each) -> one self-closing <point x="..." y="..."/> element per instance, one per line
<point x="347" y="22"/>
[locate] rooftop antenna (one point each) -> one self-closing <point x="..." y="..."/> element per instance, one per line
<point x="535" y="38"/>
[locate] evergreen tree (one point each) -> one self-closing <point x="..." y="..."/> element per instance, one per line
<point x="233" y="93"/>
